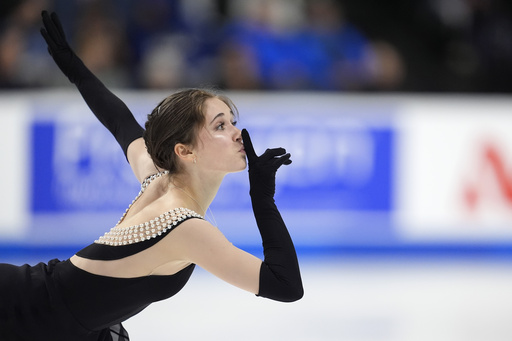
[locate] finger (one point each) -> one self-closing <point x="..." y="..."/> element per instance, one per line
<point x="272" y="153"/>
<point x="50" y="27"/>
<point x="58" y="25"/>
<point x="48" y="24"/>
<point x="249" y="149"/>
<point x="287" y="161"/>
<point x="46" y="19"/>
<point x="283" y="160"/>
<point x="49" y="41"/>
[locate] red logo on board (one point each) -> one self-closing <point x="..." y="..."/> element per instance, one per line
<point x="492" y="167"/>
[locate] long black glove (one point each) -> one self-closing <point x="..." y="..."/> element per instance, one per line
<point x="280" y="274"/>
<point x="106" y="106"/>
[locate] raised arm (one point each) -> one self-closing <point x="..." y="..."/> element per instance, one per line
<point x="107" y="107"/>
<point x="280" y="277"/>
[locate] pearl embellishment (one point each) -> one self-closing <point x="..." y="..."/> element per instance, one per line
<point x="118" y="236"/>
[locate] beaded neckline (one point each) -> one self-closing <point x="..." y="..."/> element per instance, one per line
<point x="145" y="183"/>
<point x="118" y="236"/>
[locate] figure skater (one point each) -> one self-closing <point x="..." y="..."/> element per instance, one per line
<point x="190" y="142"/>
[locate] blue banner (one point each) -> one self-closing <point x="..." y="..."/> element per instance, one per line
<point x="78" y="166"/>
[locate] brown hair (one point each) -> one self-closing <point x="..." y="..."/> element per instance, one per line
<point x="177" y="119"/>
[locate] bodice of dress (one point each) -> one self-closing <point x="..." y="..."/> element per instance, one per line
<point x="100" y="301"/>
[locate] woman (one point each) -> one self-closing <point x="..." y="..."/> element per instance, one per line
<point x="190" y="143"/>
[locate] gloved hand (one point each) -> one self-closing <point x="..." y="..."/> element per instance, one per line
<point x="59" y="49"/>
<point x="111" y="111"/>
<point x="279" y="273"/>
<point x="263" y="168"/>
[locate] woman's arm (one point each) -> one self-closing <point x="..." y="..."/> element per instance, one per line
<point x="140" y="161"/>
<point x="278" y="276"/>
<point x="199" y="242"/>
<point x="107" y="107"/>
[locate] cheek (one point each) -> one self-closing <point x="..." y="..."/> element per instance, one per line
<point x="216" y="148"/>
<point x="211" y="148"/>
<point x="217" y="143"/>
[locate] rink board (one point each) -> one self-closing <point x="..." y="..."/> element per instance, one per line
<point x="367" y="171"/>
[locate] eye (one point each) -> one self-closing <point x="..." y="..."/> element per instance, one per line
<point x="220" y="126"/>
<point x="234" y="123"/>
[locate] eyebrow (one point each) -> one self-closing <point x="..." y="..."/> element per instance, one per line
<point x="219" y="115"/>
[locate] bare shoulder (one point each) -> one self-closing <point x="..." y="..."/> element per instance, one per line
<point x="200" y="242"/>
<point x="199" y="231"/>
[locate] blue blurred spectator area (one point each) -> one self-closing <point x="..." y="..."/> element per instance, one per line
<point x="351" y="45"/>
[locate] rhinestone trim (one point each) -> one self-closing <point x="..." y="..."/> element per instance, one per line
<point x="118" y="236"/>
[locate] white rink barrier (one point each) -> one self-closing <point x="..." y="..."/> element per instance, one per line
<point x="367" y="169"/>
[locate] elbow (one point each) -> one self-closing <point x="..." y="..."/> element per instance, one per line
<point x="290" y="294"/>
<point x="280" y="288"/>
<point x="287" y="295"/>
<point x="295" y="294"/>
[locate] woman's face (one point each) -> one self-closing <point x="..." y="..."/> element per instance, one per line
<point x="220" y="146"/>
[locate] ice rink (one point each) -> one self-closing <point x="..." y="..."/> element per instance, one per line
<point x="363" y="298"/>
<point x="352" y="300"/>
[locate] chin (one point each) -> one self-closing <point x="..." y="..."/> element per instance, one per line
<point x="241" y="168"/>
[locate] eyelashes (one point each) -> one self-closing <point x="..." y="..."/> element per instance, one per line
<point x="221" y="125"/>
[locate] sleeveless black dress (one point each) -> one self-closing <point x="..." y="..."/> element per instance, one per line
<point x="59" y="301"/>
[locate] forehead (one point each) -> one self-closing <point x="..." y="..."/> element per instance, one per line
<point x="215" y="106"/>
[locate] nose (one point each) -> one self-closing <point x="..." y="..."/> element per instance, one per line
<point x="238" y="135"/>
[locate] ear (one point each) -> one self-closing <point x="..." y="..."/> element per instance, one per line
<point x="184" y="152"/>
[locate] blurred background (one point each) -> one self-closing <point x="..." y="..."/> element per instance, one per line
<point x="344" y="45"/>
<point x="397" y="115"/>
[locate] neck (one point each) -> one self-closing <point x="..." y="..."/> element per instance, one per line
<point x="199" y="193"/>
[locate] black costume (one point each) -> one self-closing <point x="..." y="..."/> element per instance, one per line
<point x="58" y="301"/>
